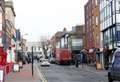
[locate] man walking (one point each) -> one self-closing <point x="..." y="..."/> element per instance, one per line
<point x="76" y="60"/>
<point x="84" y="59"/>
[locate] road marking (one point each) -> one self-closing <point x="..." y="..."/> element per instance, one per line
<point x="42" y="77"/>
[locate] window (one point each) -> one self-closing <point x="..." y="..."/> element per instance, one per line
<point x="58" y="45"/>
<point x="62" y="43"/>
<point x="97" y="20"/>
<point x="113" y="19"/>
<point x="77" y="43"/>
<point x="113" y="6"/>
<point x="114" y="37"/>
<point x="110" y="21"/>
<point x="108" y="35"/>
<point x="96" y="2"/>
<point x="105" y="37"/>
<point x="92" y="19"/>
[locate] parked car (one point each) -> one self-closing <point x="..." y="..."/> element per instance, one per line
<point x="114" y="70"/>
<point x="45" y="62"/>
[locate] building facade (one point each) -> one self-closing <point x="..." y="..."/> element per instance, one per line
<point x="2" y="23"/>
<point x="76" y="40"/>
<point x="10" y="24"/>
<point x="37" y="48"/>
<point x="109" y="27"/>
<point x="110" y="23"/>
<point x="92" y="28"/>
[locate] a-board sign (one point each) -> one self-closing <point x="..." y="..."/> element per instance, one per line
<point x="16" y="68"/>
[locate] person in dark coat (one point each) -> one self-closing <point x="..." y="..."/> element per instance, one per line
<point x="76" y="60"/>
<point x="84" y="59"/>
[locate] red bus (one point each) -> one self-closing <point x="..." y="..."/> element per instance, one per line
<point x="63" y="52"/>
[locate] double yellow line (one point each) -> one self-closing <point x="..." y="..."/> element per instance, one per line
<point x="42" y="76"/>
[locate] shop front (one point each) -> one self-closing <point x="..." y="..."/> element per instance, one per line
<point x="7" y="67"/>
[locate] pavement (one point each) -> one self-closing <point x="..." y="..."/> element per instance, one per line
<point x="25" y="75"/>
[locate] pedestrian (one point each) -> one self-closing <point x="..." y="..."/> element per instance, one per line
<point x="76" y="60"/>
<point x="80" y="58"/>
<point x="84" y="59"/>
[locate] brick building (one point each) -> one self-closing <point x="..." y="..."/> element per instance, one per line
<point x="92" y="27"/>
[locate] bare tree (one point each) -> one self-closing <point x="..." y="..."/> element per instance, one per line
<point x="44" y="44"/>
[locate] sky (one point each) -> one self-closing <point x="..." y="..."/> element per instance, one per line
<point x="38" y="18"/>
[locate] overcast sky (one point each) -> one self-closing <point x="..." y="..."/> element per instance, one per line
<point x="46" y="17"/>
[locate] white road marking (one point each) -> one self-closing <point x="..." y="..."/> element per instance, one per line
<point x="40" y="74"/>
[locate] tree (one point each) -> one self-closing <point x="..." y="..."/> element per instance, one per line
<point x="44" y="41"/>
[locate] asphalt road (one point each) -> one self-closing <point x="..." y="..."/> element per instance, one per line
<point x="62" y="73"/>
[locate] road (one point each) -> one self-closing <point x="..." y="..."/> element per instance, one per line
<point x="62" y="73"/>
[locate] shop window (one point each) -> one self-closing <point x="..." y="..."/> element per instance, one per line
<point x="96" y="2"/>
